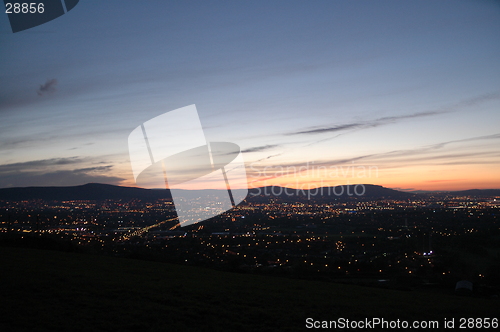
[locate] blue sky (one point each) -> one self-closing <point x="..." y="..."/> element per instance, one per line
<point x="409" y="87"/>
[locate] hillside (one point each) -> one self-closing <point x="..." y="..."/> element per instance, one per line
<point x="477" y="192"/>
<point x="327" y="194"/>
<point x="90" y="191"/>
<point x="59" y="291"/>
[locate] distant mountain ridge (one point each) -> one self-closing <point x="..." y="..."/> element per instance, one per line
<point x="477" y="192"/>
<point x="90" y="191"/>
<point x="342" y="192"/>
<point x="99" y="192"/>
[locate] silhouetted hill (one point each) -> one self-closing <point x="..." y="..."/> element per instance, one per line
<point x="90" y="191"/>
<point x="477" y="192"/>
<point x="322" y="194"/>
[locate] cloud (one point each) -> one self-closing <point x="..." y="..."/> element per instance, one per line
<point x="402" y="189"/>
<point x="426" y="155"/>
<point x="34" y="165"/>
<point x="389" y="119"/>
<point x="260" y="148"/>
<point x="367" y="124"/>
<point x="392" y="119"/>
<point x="45" y="172"/>
<point x="48" y="87"/>
<point x="435" y="147"/>
<point x="95" y="169"/>
<point x="330" y="129"/>
<point x="268" y="157"/>
<point x="343" y="128"/>
<point x="479" y="99"/>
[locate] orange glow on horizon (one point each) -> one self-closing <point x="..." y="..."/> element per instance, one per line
<point x="411" y="178"/>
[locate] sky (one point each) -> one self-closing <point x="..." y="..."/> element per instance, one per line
<point x="403" y="94"/>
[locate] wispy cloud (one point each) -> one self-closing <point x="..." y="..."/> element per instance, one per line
<point x="396" y="118"/>
<point x="42" y="163"/>
<point x="48" y="87"/>
<point x="402" y="189"/>
<point x="48" y="172"/>
<point x="478" y="99"/>
<point x="426" y="155"/>
<point x="95" y="169"/>
<point x="434" y="147"/>
<point x="367" y="124"/>
<point x="431" y="154"/>
<point x="331" y="129"/>
<point x="260" y="148"/>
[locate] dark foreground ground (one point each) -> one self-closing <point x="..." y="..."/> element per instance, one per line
<point x="42" y="290"/>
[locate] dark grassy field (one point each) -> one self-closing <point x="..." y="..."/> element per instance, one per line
<point x="44" y="290"/>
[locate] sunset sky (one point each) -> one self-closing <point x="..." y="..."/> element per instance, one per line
<point x="403" y="94"/>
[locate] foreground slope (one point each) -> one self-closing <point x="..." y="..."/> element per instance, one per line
<point x="45" y="290"/>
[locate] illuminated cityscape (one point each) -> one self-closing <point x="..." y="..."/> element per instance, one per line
<point x="422" y="240"/>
